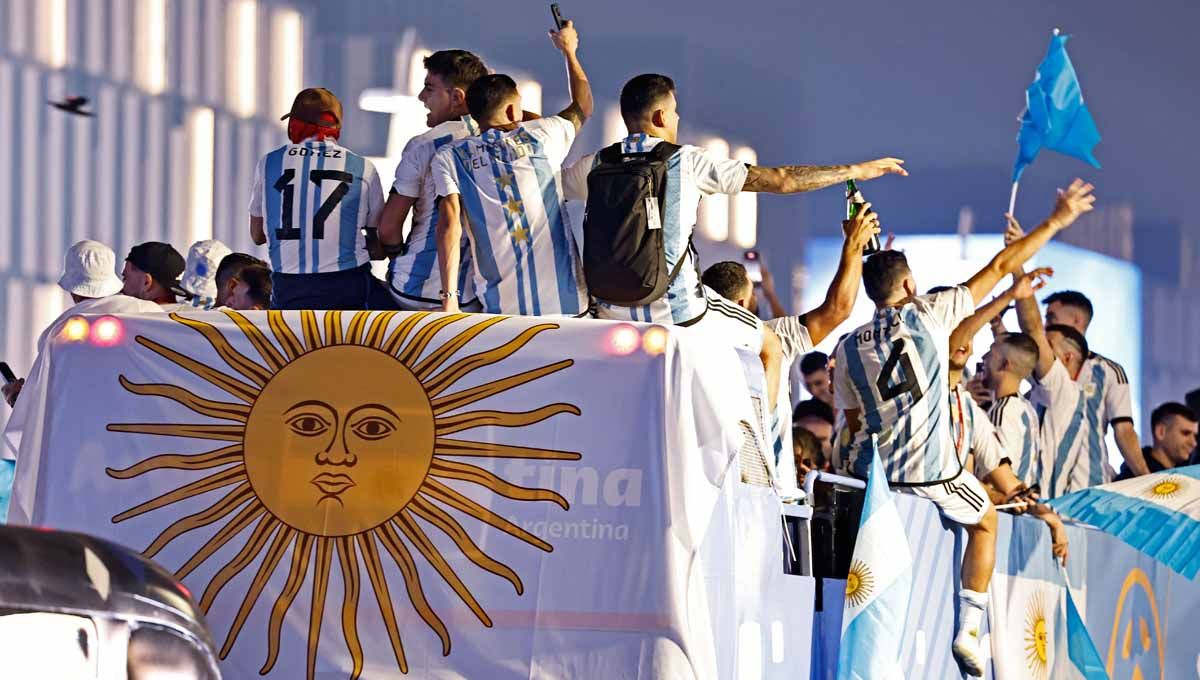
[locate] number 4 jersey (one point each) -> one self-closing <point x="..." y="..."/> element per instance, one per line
<point x="894" y="370"/>
<point x="315" y="199"/>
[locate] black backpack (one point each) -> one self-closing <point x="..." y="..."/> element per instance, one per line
<point x="624" y="261"/>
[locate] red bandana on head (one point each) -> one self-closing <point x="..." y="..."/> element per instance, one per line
<point x="299" y="130"/>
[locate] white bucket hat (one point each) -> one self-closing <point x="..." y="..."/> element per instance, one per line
<point x="90" y="270"/>
<point x="200" y="277"/>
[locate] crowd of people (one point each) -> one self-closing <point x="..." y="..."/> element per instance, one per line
<point x="488" y="195"/>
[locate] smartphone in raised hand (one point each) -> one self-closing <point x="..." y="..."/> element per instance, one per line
<point x="558" y="18"/>
<point x="7" y="373"/>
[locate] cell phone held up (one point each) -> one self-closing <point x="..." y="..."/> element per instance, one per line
<point x="854" y="202"/>
<point x="753" y="264"/>
<point x="7" y="373"/>
<point x="558" y="18"/>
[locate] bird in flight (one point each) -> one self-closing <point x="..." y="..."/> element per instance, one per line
<point x="73" y="105"/>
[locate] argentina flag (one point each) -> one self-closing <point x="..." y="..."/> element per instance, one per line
<point x="877" y="588"/>
<point x="1158" y="514"/>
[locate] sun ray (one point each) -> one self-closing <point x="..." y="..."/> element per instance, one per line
<point x="221" y="433"/>
<point x="447" y="524"/>
<point x="451" y="375"/>
<point x="267" y="525"/>
<point x="284" y="335"/>
<point x="480" y="392"/>
<point x="412" y="582"/>
<point x="295" y="579"/>
<point x="440" y="492"/>
<point x="459" y="448"/>
<point x="236" y="360"/>
<point x="396" y="340"/>
<point x="204" y="485"/>
<point x="333" y="328"/>
<point x="205" y="407"/>
<point x="414" y="348"/>
<point x="320" y="589"/>
<point x="439" y="356"/>
<point x="375" y="332"/>
<point x="312" y="330"/>
<point x="431" y="553"/>
<point x="448" y="469"/>
<point x="366" y="541"/>
<point x="231" y="529"/>
<point x="278" y="547"/>
<point x="180" y="461"/>
<point x="237" y="388"/>
<point x="266" y="350"/>
<point x="468" y="421"/>
<point x="219" y="510"/>
<point x="355" y="329"/>
<point x="348" y="558"/>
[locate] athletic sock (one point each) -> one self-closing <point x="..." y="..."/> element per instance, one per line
<point x="971" y="607"/>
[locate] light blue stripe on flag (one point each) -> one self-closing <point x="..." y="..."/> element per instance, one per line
<point x="1081" y="650"/>
<point x="272" y="169"/>
<point x="7" y="468"/>
<point x="348" y="228"/>
<point x="1125" y="510"/>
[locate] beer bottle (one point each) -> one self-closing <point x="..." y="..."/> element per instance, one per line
<point x="854" y="201"/>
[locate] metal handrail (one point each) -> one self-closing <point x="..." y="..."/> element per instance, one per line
<point x="811" y="479"/>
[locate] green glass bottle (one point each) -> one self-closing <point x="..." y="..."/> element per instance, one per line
<point x="855" y="200"/>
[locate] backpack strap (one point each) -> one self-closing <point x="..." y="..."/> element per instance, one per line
<point x="611" y="154"/>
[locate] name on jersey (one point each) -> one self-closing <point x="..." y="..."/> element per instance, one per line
<point x="323" y="153"/>
<point x="870" y="335"/>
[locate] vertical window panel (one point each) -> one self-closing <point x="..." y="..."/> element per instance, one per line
<point x="743" y="207"/>
<point x="200" y="131"/>
<point x="242" y="64"/>
<point x="150" y="50"/>
<point x="287" y="62"/>
<point x="714" y="209"/>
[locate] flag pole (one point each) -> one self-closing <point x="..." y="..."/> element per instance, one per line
<point x="1012" y="199"/>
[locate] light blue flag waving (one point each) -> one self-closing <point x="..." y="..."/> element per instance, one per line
<point x="877" y="589"/>
<point x="1082" y="660"/>
<point x="1055" y="116"/>
<point x="1158" y="514"/>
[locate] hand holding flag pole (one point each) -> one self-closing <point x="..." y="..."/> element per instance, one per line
<point x="1055" y="115"/>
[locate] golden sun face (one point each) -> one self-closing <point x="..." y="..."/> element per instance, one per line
<point x="339" y="441"/>
<point x="860" y="583"/>
<point x="1037" y="645"/>
<point x="1166" y="489"/>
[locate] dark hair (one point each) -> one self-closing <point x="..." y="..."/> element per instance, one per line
<point x="1171" y="408"/>
<point x="1072" y="298"/>
<point x="883" y="272"/>
<point x="488" y="93"/>
<point x="726" y="278"/>
<point x="814" y="361"/>
<point x="1075" y="337"/>
<point x="810" y="444"/>
<point x="459" y="68"/>
<point x="1021" y="342"/>
<point x="641" y="94"/>
<point x="937" y="289"/>
<point x="232" y="264"/>
<point x="258" y="283"/>
<point x="813" y="407"/>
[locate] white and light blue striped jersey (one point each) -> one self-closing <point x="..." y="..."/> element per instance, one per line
<point x="1068" y="462"/>
<point x="414" y="274"/>
<point x="692" y="174"/>
<point x="894" y="371"/>
<point x="1019" y="430"/>
<point x="315" y="199"/>
<point x="973" y="433"/>
<point x="1107" y="398"/>
<point x="526" y="260"/>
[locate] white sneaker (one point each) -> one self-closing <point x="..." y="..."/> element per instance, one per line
<point x="966" y="650"/>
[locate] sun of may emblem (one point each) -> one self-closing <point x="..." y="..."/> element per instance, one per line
<point x="1166" y="489"/>
<point x="340" y="454"/>
<point x="1037" y="650"/>
<point x="860" y="583"/>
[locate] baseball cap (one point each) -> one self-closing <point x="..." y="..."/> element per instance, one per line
<point x="311" y="103"/>
<point x="90" y="270"/>
<point x="200" y="274"/>
<point x="163" y="263"/>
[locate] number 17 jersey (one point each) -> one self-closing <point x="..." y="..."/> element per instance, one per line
<point x="315" y="198"/>
<point x="895" y="371"/>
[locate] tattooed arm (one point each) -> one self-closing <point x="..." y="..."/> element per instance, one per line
<point x="793" y="179"/>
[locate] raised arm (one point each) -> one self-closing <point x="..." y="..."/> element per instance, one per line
<point x="1076" y="200"/>
<point x="1029" y="318"/>
<point x="449" y="236"/>
<point x="1024" y="286"/>
<point x="580" y="108"/>
<point x="839" y="300"/>
<point x="794" y="179"/>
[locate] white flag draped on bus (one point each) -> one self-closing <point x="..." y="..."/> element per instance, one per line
<point x="364" y="493"/>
